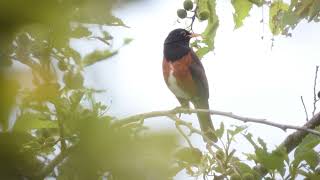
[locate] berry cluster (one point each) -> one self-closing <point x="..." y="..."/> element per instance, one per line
<point x="201" y="10"/>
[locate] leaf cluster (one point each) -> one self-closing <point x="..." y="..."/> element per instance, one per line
<point x="283" y="17"/>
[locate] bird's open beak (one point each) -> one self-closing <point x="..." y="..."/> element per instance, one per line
<point x="195" y="35"/>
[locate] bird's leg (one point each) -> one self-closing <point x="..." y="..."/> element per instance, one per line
<point x="184" y="105"/>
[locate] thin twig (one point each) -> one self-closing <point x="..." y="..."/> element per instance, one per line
<point x="314" y="91"/>
<point x="192" y="129"/>
<point x="100" y="39"/>
<point x="189" y="126"/>
<point x="284" y="127"/>
<point x="193" y="18"/>
<point x="184" y="135"/>
<point x="304" y="107"/>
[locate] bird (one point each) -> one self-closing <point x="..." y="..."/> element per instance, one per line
<point x="185" y="76"/>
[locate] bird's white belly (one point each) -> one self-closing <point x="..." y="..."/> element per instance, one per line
<point x="174" y="87"/>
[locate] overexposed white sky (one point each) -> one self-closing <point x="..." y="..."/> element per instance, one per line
<point x="245" y="75"/>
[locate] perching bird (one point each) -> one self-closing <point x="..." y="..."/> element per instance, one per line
<point x="185" y="76"/>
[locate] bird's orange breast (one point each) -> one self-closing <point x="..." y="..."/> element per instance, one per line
<point x="178" y="77"/>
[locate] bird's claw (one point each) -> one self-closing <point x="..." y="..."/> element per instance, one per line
<point x="178" y="108"/>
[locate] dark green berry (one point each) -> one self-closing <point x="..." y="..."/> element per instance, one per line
<point x="188" y="5"/>
<point x="182" y="13"/>
<point x="319" y="94"/>
<point x="204" y="15"/>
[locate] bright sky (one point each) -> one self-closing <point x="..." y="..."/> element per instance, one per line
<point x="245" y="75"/>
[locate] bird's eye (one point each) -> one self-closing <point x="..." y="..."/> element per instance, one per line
<point x="183" y="33"/>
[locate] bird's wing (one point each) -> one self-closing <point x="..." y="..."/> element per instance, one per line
<point x="201" y="100"/>
<point x="199" y="77"/>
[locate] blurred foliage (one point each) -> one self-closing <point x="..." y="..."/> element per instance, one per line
<point x="223" y="161"/>
<point x="17" y="162"/>
<point x="284" y="16"/>
<point x="56" y="128"/>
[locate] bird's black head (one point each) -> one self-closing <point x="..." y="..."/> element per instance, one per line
<point x="178" y="36"/>
<point x="176" y="44"/>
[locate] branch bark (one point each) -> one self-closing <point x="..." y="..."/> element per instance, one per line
<point x="135" y="118"/>
<point x="294" y="139"/>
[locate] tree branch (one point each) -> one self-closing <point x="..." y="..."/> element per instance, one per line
<point x="184" y="135"/>
<point x="294" y="139"/>
<point x="135" y="118"/>
<point x="314" y="91"/>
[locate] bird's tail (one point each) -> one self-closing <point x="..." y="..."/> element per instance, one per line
<point x="205" y="121"/>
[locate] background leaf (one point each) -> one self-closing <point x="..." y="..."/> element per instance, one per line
<point x="30" y="121"/>
<point x="242" y="9"/>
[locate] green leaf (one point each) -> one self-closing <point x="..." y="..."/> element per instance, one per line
<point x="75" y="98"/>
<point x="290" y="19"/>
<point x="237" y="130"/>
<point x="272" y="161"/>
<point x="250" y="157"/>
<point x="80" y="32"/>
<point x="243" y="168"/>
<point x="115" y="21"/>
<point x="313" y="176"/>
<point x="303" y="172"/>
<point x="262" y="143"/>
<point x="202" y="51"/>
<point x="242" y="9"/>
<point x="306" y="145"/>
<point x="210" y="31"/>
<point x="276" y="13"/>
<point x="189" y="155"/>
<point x="248" y="136"/>
<point x="281" y="153"/>
<point x="314" y="10"/>
<point x="305" y="152"/>
<point x="219" y="132"/>
<point x="127" y="41"/>
<point x="282" y="170"/>
<point x="312" y="158"/>
<point x="97" y="56"/>
<point x="258" y="3"/>
<point x="303" y="7"/>
<point x="71" y="53"/>
<point x="29" y="121"/>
